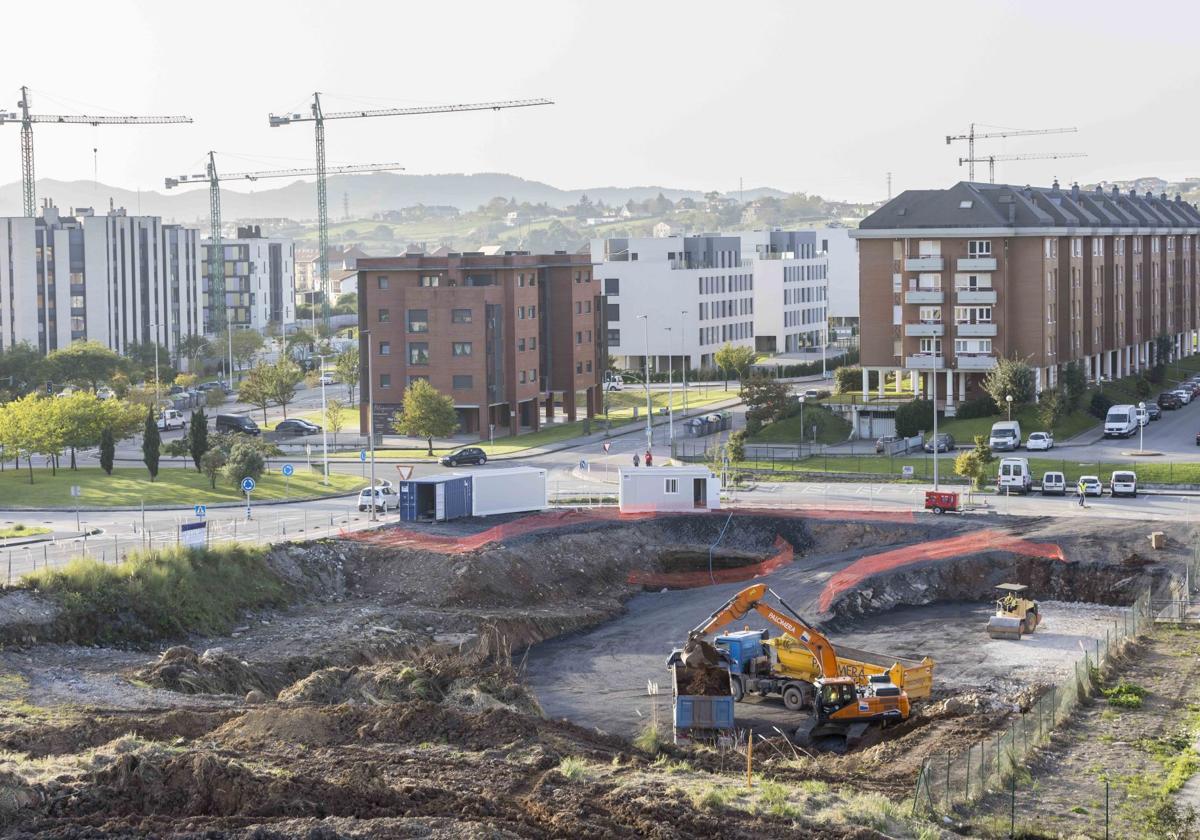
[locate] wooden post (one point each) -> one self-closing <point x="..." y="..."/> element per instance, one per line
<point x="749" y="759"/>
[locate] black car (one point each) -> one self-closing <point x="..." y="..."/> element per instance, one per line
<point x="945" y="443"/>
<point x="236" y="423"/>
<point x="470" y="455"/>
<point x="1153" y="411"/>
<point x="296" y="426"/>
<point x="1167" y="400"/>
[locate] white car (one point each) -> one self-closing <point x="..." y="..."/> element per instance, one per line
<point x="326" y="379"/>
<point x="1040" y="440"/>
<point x="1091" y="485"/>
<point x="385" y="498"/>
<point x="171" y="418"/>
<point x="105" y="393"/>
<point x="1184" y="394"/>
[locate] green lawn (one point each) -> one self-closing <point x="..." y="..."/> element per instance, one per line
<point x="830" y="428"/>
<point x="130" y="486"/>
<point x="20" y="530"/>
<point x="964" y="431"/>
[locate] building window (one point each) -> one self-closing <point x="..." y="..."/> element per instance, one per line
<point x="521" y="313"/>
<point x="579" y="338"/>
<point x="385" y="348"/>
<point x="612" y="286"/>
<point x="384" y="316"/>
<point x="588" y="365"/>
<point x="418" y="353"/>
<point x="612" y="312"/>
<point x="460" y="316"/>
<point x="521" y="280"/>
<point x="520" y="344"/>
<point x="385" y="380"/>
<point x="382" y="280"/>
<point x="533" y="374"/>
<point x="523" y="377"/>
<point x="461" y="348"/>
<point x="614" y="338"/>
<point x="463" y="382"/>
<point x="418" y="320"/>
<point x="579" y="367"/>
<point x="979" y="247"/>
<point x="533" y="312"/>
<point x="429" y="280"/>
<point x="532" y="343"/>
<point x="587" y="307"/>
<point x="671" y="485"/>
<point x="578" y="307"/>
<point x="578" y="277"/>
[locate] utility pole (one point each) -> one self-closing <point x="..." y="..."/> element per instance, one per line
<point x="889" y="182"/>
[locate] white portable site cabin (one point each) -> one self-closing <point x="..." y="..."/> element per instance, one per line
<point x="512" y="490"/>
<point x="667" y="488"/>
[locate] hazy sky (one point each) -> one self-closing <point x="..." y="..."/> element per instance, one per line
<point x="822" y="97"/>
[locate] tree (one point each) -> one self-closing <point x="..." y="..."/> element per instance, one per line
<point x="81" y="420"/>
<point x="212" y="463"/>
<point x="197" y="436"/>
<point x="766" y="399"/>
<point x="735" y="359"/>
<point x="299" y="345"/>
<point x="847" y="379"/>
<point x="737" y="446"/>
<point x="246" y="345"/>
<point x="425" y="413"/>
<point x="334" y="421"/>
<point x="1011" y="377"/>
<point x="255" y="388"/>
<point x="142" y="357"/>
<point x="151" y="444"/>
<point x="193" y="348"/>
<point x="1164" y="349"/>
<point x="347" y="366"/>
<point x="282" y="379"/>
<point x="1074" y="385"/>
<point x="22" y="369"/>
<point x="87" y="363"/>
<point x="1052" y="407"/>
<point x="914" y="417"/>
<point x="185" y="380"/>
<point x="108" y="449"/>
<point x="245" y="460"/>
<point x="973" y="463"/>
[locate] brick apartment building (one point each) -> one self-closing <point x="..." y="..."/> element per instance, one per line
<point x="506" y="335"/>
<point x="952" y="280"/>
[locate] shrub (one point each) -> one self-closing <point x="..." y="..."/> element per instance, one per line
<point x="572" y="767"/>
<point x="983" y="406"/>
<point x="1099" y="406"/>
<point x="1011" y="378"/>
<point x="1124" y="695"/>
<point x="245" y="461"/>
<point x="1052" y="407"/>
<point x="737" y="446"/>
<point x="649" y="739"/>
<point x="914" y="417"/>
<point x="846" y="379"/>
<point x="1142" y="387"/>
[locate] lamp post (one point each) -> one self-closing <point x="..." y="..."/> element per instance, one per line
<point x="646" y="383"/>
<point x="156" y="396"/>
<point x="1142" y="426"/>
<point x="325" y="424"/>
<point x="683" y="354"/>
<point x="1008" y="399"/>
<point x="933" y="379"/>
<point x="670" y="393"/>
<point x="370" y="420"/>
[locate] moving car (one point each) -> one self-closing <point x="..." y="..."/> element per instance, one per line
<point x="171" y="418"/>
<point x="1054" y="484"/>
<point x="1123" y="483"/>
<point x="383" y="495"/>
<point x="1091" y="485"/>
<point x="1169" y="401"/>
<point x="469" y="455"/>
<point x="296" y="426"/>
<point x="238" y="423"/>
<point x="1006" y="435"/>
<point x="1040" y="440"/>
<point x="945" y="442"/>
<point x="1121" y="421"/>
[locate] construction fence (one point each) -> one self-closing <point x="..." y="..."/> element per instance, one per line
<point x="995" y="765"/>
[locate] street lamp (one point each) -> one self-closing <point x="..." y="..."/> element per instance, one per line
<point x="683" y="354"/>
<point x="1143" y="417"/>
<point x="646" y="384"/>
<point x="1008" y="399"/>
<point x="156" y="396"/>
<point x="371" y="420"/>
<point x="670" y="393"/>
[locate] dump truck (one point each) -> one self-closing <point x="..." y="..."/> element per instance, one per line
<point x="782" y="666"/>
<point x="702" y="703"/>
<point x="1015" y="614"/>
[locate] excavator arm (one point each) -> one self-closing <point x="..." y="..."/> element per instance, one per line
<point x="750" y="598"/>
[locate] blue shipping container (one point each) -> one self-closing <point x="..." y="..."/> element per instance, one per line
<point x="435" y="498"/>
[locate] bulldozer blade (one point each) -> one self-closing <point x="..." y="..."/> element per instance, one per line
<point x="1004" y="627"/>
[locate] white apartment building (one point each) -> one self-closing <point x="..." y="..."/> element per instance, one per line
<point x="842" y="253"/>
<point x="260" y="280"/>
<point x="695" y="291"/>
<point x="115" y="279"/>
<point x="764" y="290"/>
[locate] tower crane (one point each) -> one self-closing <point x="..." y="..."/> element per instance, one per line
<point x="28" y="186"/>
<point x="991" y="160"/>
<point x="971" y="136"/>
<point x="216" y="262"/>
<point x="317" y="116"/>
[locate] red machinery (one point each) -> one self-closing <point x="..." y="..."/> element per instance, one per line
<point x="940" y="502"/>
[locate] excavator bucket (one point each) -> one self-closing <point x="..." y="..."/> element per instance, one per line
<point x="1004" y="627"/>
<point x="698" y="653"/>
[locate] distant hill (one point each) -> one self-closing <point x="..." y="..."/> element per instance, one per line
<point x="368" y="194"/>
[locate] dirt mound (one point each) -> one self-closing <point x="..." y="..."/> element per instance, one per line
<point x="92" y="730"/>
<point x="181" y="669"/>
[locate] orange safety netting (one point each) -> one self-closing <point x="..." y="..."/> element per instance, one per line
<point x="951" y="547"/>
<point x="784" y="554"/>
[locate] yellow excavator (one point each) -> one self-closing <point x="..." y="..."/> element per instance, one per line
<point x="840" y="708"/>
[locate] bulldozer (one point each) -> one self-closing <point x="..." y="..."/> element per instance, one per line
<point x="1015" y="615"/>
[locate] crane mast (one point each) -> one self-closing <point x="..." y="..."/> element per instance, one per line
<point x="971" y="136"/>
<point x="27" y="119"/>
<point x="322" y="210"/>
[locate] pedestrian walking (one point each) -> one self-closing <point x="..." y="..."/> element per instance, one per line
<point x="636" y="461"/>
<point x="1082" y="494"/>
<point x="649" y="458"/>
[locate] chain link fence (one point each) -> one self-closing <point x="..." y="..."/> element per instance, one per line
<point x="996" y="763"/>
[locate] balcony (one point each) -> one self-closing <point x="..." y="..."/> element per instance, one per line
<point x="975" y="295"/>
<point x="974" y="330"/>
<point x="924" y="296"/>
<point x="977" y="264"/>
<point x="975" y="362"/>
<point x="922" y="329"/>
<point x="925" y="361"/>
<point x="924" y="263"/>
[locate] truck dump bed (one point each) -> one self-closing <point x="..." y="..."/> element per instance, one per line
<point x="914" y="676"/>
<point x="703" y="698"/>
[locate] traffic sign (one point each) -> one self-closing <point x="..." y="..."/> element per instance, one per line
<point x="201" y="510"/>
<point x="582" y="463"/>
<point x="288" y="470"/>
<point x="607" y="445"/>
<point x="75" y="491"/>
<point x="907" y="471"/>
<point x="247" y="484"/>
<point x="405" y="470"/>
<point x="362" y="454"/>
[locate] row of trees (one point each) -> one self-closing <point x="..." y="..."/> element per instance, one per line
<point x="36" y="425"/>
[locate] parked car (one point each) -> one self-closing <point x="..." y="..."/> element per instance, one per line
<point x="884" y="443"/>
<point x="614" y="385"/>
<point x="1154" y="412"/>
<point x="384" y="498"/>
<point x="469" y="455"/>
<point x="945" y="442"/>
<point x="1005" y="435"/>
<point x="105" y="393"/>
<point x="171" y="418"/>
<point x="326" y="379"/>
<point x="296" y="426"/>
<point x="238" y="423"/>
<point x="1040" y="440"/>
<point x="1169" y="401"/>
<point x="208" y="386"/>
<point x="1091" y="485"/>
<point x="1185" y="395"/>
<point x="1123" y="483"/>
<point x="815" y="394"/>
<point x="1121" y="421"/>
<point x="1054" y="484"/>
<point x="1014" y="476"/>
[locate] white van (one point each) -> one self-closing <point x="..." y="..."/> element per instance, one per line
<point x="1054" y="483"/>
<point x="1006" y="435"/>
<point x="1014" y="476"/>
<point x="1123" y="483"/>
<point x="1121" y="421"/>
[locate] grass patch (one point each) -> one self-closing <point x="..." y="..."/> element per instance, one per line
<point x="573" y="768"/>
<point x="127" y="486"/>
<point x="649" y="739"/>
<point x="830" y="428"/>
<point x="1124" y="695"/>
<point x="160" y="594"/>
<point x="713" y="798"/>
<point x="22" y="530"/>
<point x="964" y="431"/>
